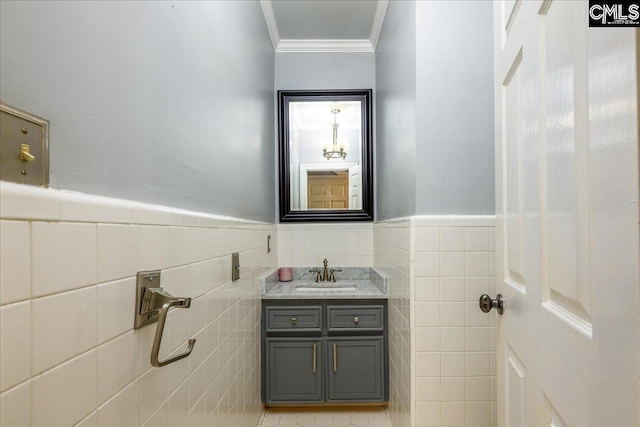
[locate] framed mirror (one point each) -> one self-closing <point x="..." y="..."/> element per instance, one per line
<point x="326" y="155"/>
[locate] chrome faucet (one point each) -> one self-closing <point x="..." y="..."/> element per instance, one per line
<point x="327" y="274"/>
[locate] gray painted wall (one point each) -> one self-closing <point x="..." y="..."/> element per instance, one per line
<point x="396" y="113"/>
<point x="434" y="83"/>
<point x="454" y="107"/>
<point x="161" y="102"/>
<point x="324" y="71"/>
<point x="317" y="71"/>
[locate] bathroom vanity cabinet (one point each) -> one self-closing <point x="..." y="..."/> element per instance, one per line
<point x="324" y="351"/>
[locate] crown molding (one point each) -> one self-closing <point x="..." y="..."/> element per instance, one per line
<point x="378" y="21"/>
<point x="272" y="25"/>
<point x="304" y="45"/>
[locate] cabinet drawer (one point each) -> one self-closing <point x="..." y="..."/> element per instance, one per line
<point x="282" y="319"/>
<point x="368" y="318"/>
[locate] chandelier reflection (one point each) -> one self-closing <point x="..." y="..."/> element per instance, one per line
<point x="337" y="152"/>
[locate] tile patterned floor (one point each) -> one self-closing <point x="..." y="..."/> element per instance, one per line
<point x="326" y="417"/>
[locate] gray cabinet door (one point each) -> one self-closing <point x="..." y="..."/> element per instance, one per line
<point x="356" y="369"/>
<point x="294" y="370"/>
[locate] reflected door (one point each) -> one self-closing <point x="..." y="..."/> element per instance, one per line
<point x="567" y="217"/>
<point x="328" y="191"/>
<point x="355" y="185"/>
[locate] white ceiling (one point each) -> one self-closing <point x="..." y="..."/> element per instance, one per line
<point x="324" y="25"/>
<point x="318" y="115"/>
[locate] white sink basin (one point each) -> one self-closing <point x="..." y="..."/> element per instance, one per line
<point x="343" y="287"/>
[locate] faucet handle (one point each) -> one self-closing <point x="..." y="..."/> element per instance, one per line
<point x="332" y="277"/>
<point x="317" y="271"/>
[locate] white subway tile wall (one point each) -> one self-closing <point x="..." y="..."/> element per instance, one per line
<point x="343" y="245"/>
<point x="15" y="246"/>
<point x="64" y="325"/>
<point x="69" y="353"/>
<point x="442" y="354"/>
<point x="15" y="349"/>
<point x="68" y="264"/>
<point x="454" y="341"/>
<point x="392" y="255"/>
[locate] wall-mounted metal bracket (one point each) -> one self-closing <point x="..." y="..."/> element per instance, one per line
<point x="153" y="304"/>
<point x="235" y="266"/>
<point x="145" y="281"/>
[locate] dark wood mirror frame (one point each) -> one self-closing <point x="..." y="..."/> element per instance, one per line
<point x="288" y="215"/>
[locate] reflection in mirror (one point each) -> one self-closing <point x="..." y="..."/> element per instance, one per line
<point x="325" y="156"/>
<point x="325" y="140"/>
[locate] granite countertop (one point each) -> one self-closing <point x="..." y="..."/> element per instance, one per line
<point x="368" y="284"/>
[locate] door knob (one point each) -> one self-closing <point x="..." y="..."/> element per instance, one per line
<point x="486" y="303"/>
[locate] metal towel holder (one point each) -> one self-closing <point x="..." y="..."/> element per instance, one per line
<point x="153" y="304"/>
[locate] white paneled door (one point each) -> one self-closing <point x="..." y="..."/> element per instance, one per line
<point x="567" y="209"/>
